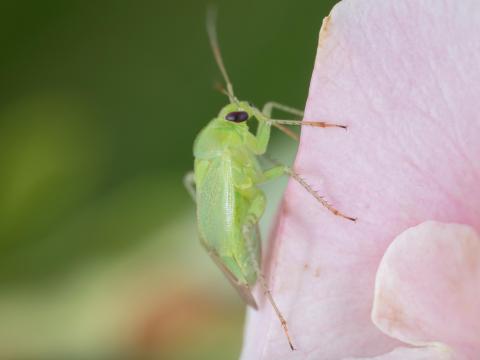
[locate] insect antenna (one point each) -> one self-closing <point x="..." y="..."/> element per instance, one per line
<point x="212" y="36"/>
<point x="220" y="88"/>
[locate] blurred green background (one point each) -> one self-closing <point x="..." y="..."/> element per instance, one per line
<point x="99" y="106"/>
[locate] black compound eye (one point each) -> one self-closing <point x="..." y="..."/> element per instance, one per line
<point x="237" y="116"/>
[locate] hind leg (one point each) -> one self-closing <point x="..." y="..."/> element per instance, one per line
<point x="251" y="235"/>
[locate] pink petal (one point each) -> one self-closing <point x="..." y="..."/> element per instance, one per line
<point x="434" y="352"/>
<point x="428" y="288"/>
<point x="404" y="76"/>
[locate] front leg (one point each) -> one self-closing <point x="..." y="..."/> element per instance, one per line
<point x="267" y="110"/>
<point x="279" y="124"/>
<point x="258" y="144"/>
<point x="269" y="106"/>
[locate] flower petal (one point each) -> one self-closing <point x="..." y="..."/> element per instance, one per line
<point x="428" y="287"/>
<point x="404" y="76"/>
<point x="436" y="352"/>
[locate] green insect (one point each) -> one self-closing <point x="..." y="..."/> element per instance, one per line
<point x="225" y="182"/>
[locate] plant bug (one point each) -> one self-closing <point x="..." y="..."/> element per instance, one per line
<point x="224" y="185"/>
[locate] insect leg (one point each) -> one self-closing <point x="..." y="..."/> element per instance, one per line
<point x="273" y="173"/>
<point x="189" y="183"/>
<point x="283" y="169"/>
<point x="316" y="195"/>
<point x="269" y="106"/>
<point x="259" y="143"/>
<point x="248" y="230"/>
<point x="321" y="124"/>
<point x="279" y="124"/>
<point x="267" y="111"/>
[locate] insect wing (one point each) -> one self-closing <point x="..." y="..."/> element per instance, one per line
<point x="216" y="212"/>
<point x="243" y="289"/>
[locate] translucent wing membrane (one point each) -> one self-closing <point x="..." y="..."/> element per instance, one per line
<point x="243" y="289"/>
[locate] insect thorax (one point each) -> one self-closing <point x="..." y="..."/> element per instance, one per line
<point x="220" y="136"/>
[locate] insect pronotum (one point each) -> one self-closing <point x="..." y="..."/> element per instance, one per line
<point x="224" y="184"/>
